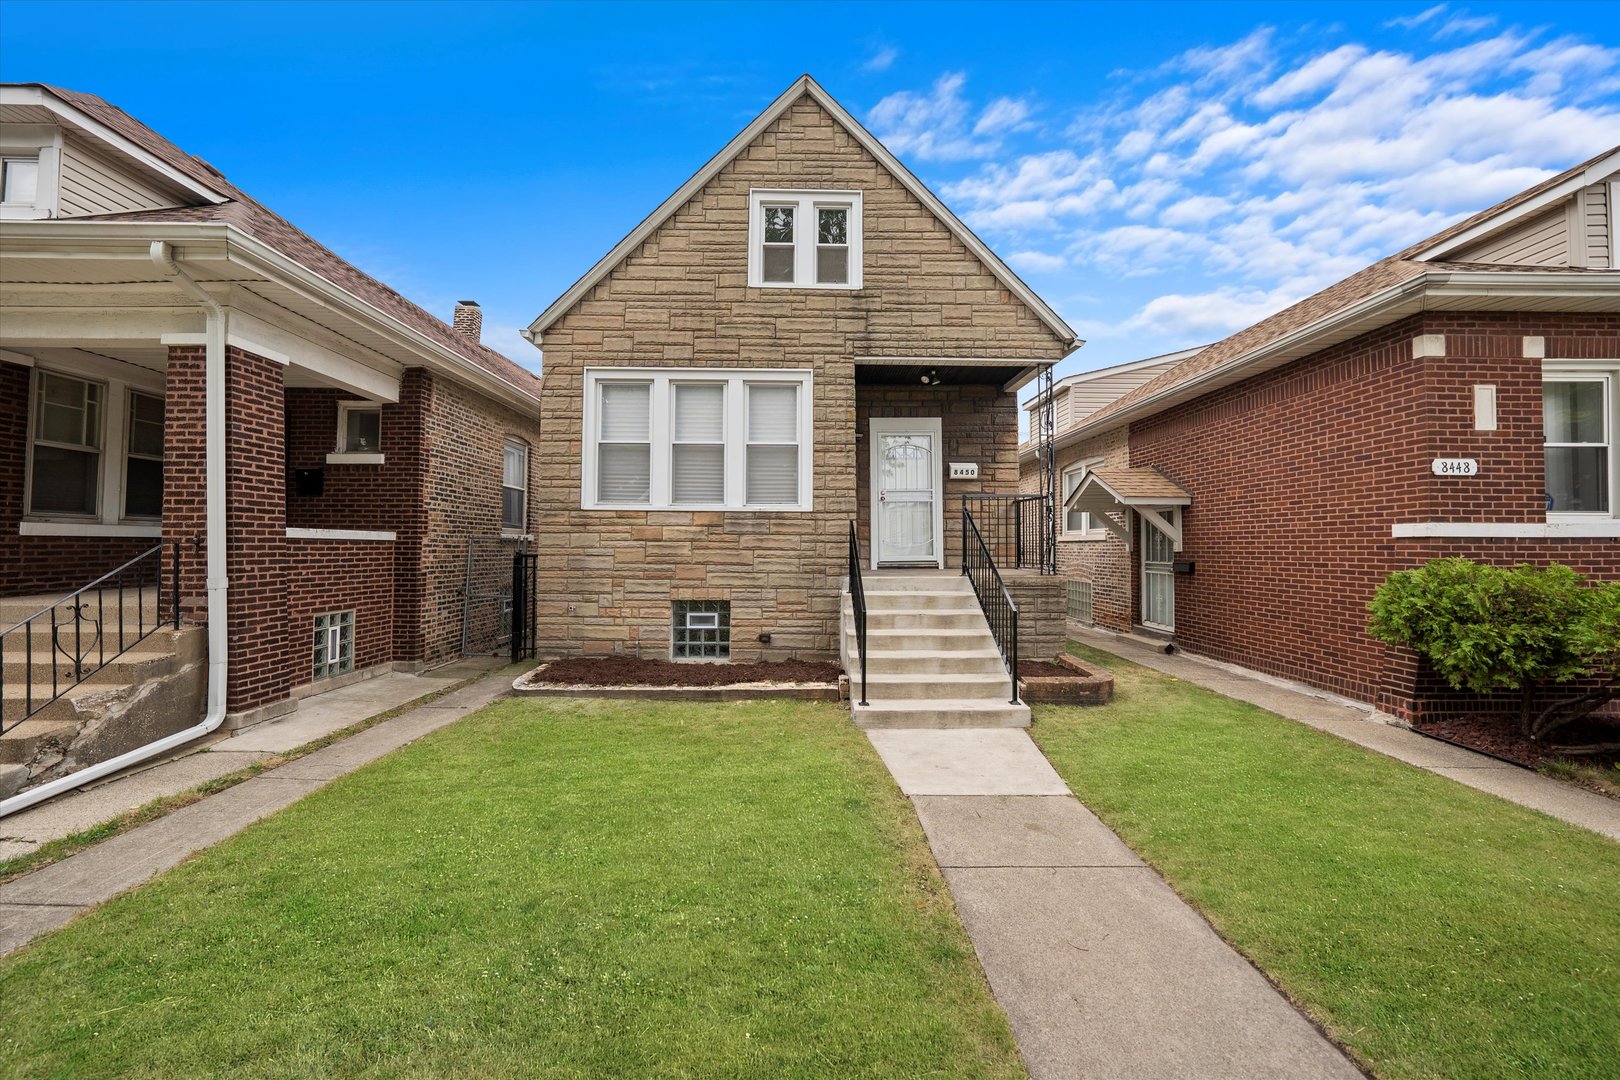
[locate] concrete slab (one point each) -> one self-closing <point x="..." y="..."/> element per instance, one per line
<point x="1018" y="830"/>
<point x="20" y="923"/>
<point x="966" y="761"/>
<point x="321" y="715"/>
<point x="1106" y="973"/>
<point x="1575" y="805"/>
<point x="1407" y="745"/>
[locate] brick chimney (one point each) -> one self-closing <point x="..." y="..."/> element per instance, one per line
<point x="469" y="321"/>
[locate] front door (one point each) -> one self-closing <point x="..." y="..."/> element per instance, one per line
<point x="907" y="480"/>
<point x="1158" y="578"/>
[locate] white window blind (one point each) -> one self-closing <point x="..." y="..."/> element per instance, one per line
<point x="624" y="452"/>
<point x="698" y="445"/>
<point x="804" y="239"/>
<point x="773" y="444"/>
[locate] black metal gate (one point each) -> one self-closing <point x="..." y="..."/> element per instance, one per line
<point x="525" y="618"/>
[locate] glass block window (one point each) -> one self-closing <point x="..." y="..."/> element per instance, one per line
<point x="1080" y="601"/>
<point x="701" y="630"/>
<point x="334" y="644"/>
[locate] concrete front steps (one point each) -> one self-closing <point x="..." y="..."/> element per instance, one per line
<point x="153" y="688"/>
<point x="930" y="658"/>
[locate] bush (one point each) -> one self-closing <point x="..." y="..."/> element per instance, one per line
<point x="1488" y="628"/>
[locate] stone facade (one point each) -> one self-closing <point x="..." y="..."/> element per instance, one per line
<point x="682" y="300"/>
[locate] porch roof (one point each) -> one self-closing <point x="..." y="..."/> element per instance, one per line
<point x="1112" y="487"/>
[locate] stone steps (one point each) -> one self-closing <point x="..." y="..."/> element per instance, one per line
<point x="904" y="713"/>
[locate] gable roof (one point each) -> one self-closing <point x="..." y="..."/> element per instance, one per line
<point x="802" y="86"/>
<point x="236" y="208"/>
<point x="1377" y="285"/>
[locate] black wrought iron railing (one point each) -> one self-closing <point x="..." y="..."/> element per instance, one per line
<point x="857" y="600"/>
<point x="994" y="599"/>
<point x="525" y="609"/>
<point x="63" y="644"/>
<point x="1016" y="529"/>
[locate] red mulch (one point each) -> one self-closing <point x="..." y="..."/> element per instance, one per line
<point x="631" y="671"/>
<point x="1500" y="735"/>
<point x="1046" y="669"/>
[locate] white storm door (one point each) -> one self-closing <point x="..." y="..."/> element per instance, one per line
<point x="908" y="513"/>
<point x="1158" y="578"/>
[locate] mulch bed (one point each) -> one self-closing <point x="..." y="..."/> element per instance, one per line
<point x="631" y="671"/>
<point x="1499" y="736"/>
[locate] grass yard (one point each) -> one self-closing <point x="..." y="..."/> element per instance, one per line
<point x="566" y="888"/>
<point x="1433" y="929"/>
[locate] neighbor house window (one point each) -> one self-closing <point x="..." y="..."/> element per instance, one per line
<point x="805" y="239"/>
<point x="66" y="477"/>
<point x="697" y="439"/>
<point x="359" y="428"/>
<point x="514" y="486"/>
<point x="1578" y="419"/>
<point x="1076" y="523"/>
<point x="19" y="181"/>
<point x="143" y="456"/>
<point x="334" y="644"/>
<point x="701" y="630"/>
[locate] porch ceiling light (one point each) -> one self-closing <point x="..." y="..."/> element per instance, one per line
<point x="930" y="377"/>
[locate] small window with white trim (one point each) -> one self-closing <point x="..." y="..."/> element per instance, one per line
<point x="514" y="486"/>
<point x="1077" y="523"/>
<point x="1578" y="421"/>
<point x="804" y="239"/>
<point x="143" y="456"/>
<point x="359" y="428"/>
<point x="700" y="630"/>
<point x="334" y="644"/>
<point x="66" y="469"/>
<point x="19" y="181"/>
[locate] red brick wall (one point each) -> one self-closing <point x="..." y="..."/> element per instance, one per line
<point x="42" y="564"/>
<point x="340" y="575"/>
<point x="1297" y="476"/>
<point x="1101" y="560"/>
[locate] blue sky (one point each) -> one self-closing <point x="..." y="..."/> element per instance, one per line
<point x="1162" y="174"/>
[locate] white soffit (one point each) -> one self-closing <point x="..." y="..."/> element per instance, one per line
<point x="801" y="86"/>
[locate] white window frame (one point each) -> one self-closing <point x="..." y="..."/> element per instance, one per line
<point x="340" y="454"/>
<point x="1091" y="530"/>
<point x="123" y="496"/>
<point x="804" y="236"/>
<point x="108" y="519"/>
<point x="522" y="527"/>
<point x="42" y="143"/>
<point x="1608" y="373"/>
<point x="736" y="382"/>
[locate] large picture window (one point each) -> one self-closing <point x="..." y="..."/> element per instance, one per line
<point x="804" y="239"/>
<point x="1578" y="419"/>
<point x="697" y="439"/>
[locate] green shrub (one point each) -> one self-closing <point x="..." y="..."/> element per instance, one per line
<point x="1489" y="628"/>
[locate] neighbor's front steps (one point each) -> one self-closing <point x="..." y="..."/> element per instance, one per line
<point x="931" y="661"/>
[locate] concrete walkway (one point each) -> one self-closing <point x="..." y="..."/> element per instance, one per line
<point x="1359" y="723"/>
<point x="1103" y="970"/>
<point x="50" y="897"/>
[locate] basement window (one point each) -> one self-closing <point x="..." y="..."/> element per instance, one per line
<point x="701" y="630"/>
<point x="334" y="644"/>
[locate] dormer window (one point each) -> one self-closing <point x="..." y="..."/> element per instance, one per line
<point x="19" y="181"/>
<point x="805" y="239"/>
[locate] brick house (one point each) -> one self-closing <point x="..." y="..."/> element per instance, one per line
<point x="717" y="383"/>
<point x="1460" y="397"/>
<point x="184" y="372"/>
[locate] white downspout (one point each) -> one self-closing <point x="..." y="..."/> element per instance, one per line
<point x="218" y="585"/>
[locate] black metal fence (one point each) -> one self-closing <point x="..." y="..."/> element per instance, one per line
<point x="525" y="612"/>
<point x="1016" y="529"/>
<point x="88" y="629"/>
<point x="857" y="598"/>
<point x="994" y="599"/>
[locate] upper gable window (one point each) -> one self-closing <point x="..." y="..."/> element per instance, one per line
<point x="19" y="181"/>
<point x="804" y="239"/>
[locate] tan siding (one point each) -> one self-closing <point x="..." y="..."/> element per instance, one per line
<point x="93" y="185"/>
<point x="1542" y="241"/>
<point x="1595" y="224"/>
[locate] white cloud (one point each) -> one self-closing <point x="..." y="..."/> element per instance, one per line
<point x="1003" y="115"/>
<point x="1037" y="262"/>
<point x="932" y="126"/>
<point x="882" y="60"/>
<point x="1410" y="21"/>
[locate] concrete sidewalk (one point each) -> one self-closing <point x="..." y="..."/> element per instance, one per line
<point x="50" y="897"/>
<point x="1359" y="723"/>
<point x="1103" y="970"/>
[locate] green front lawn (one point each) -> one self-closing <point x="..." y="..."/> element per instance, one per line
<point x="571" y="888"/>
<point x="1435" y="930"/>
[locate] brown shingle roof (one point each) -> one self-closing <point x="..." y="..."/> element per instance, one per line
<point x="252" y="217"/>
<point x="1137" y="482"/>
<point x="1402" y="266"/>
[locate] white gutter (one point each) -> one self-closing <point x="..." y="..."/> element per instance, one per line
<point x="218" y="585"/>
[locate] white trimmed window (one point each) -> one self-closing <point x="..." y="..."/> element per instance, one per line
<point x="66" y="473"/>
<point x="514" y="486"/>
<point x="804" y="239"/>
<point x="143" y="457"/>
<point x="697" y="439"/>
<point x="95" y="450"/>
<point x="1580" y="412"/>
<point x="359" y="428"/>
<point x="1077" y="523"/>
<point x="19" y="181"/>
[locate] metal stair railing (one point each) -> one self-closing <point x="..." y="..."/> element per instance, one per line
<point x="994" y="599"/>
<point x="857" y="600"/>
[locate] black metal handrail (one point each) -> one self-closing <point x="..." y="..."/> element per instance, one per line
<point x="857" y="599"/>
<point x="994" y="599"/>
<point x="82" y="614"/>
<point x="1016" y="529"/>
